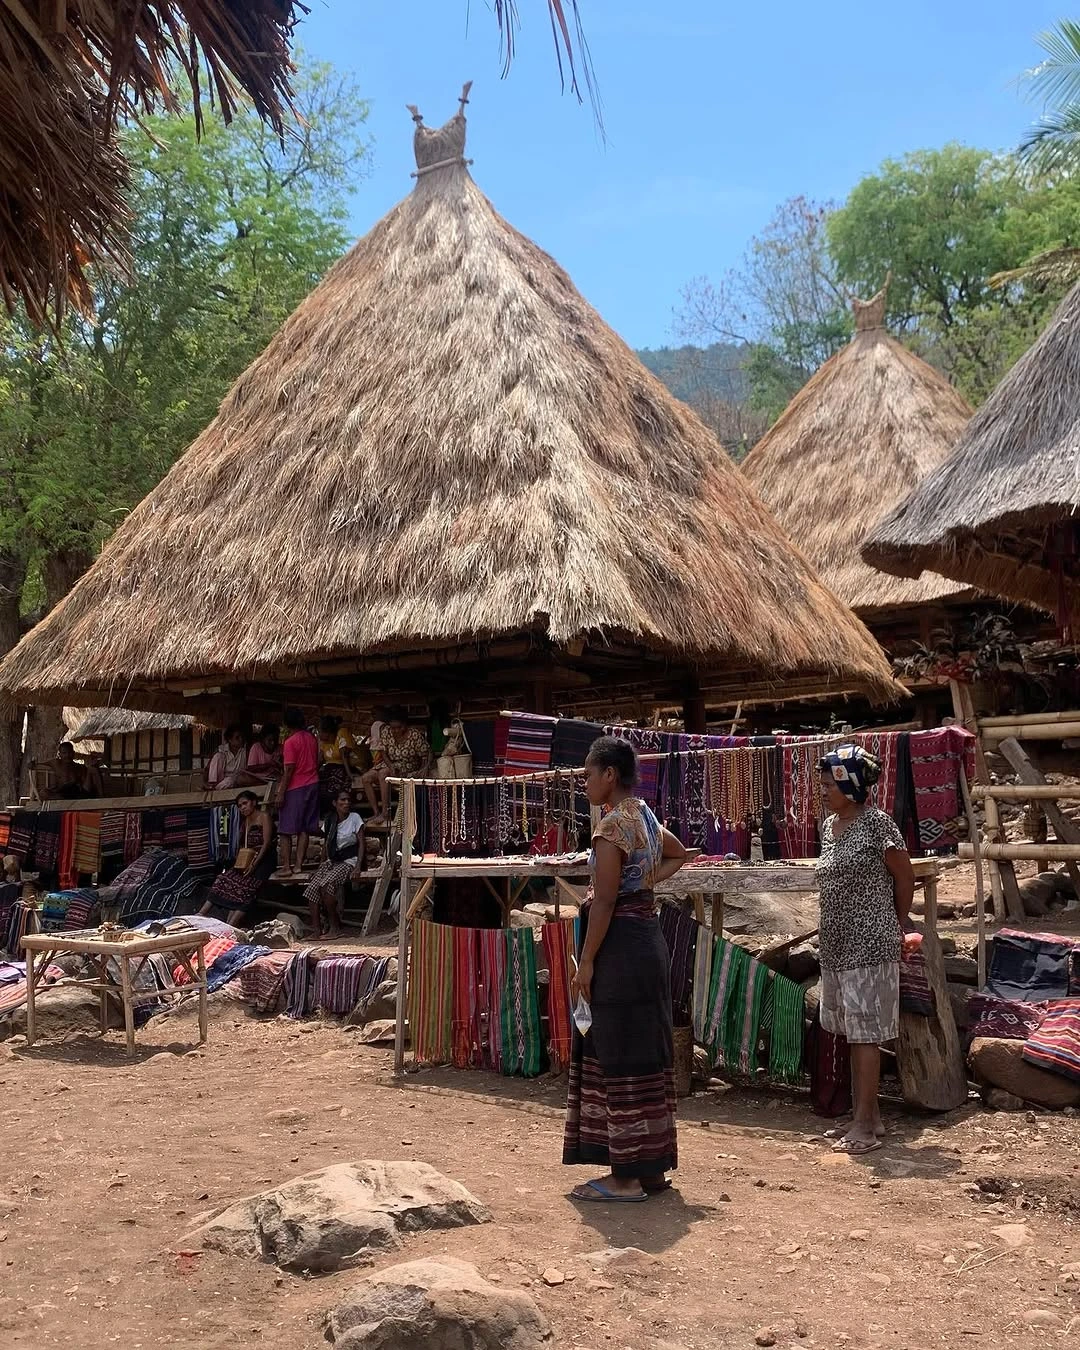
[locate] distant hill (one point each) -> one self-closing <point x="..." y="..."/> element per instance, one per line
<point x="693" y="372"/>
<point x="712" y="380"/>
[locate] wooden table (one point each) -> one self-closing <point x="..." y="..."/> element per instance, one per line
<point x="185" y="947"/>
<point x="699" y="880"/>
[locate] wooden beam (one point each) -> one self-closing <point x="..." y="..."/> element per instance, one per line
<point x="1037" y="731"/>
<point x="1025" y="852"/>
<point x="1022" y="792"/>
<point x="1028" y="772"/>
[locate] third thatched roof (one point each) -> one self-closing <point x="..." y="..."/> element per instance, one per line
<point x="1000" y="512"/>
<point x="867" y="427"/>
<point x="444" y="441"/>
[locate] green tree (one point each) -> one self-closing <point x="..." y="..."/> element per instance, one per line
<point x="944" y="222"/>
<point x="784" y="304"/>
<point x="230" y="232"/>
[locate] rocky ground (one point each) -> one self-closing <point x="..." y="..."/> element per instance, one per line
<point x="963" y="1230"/>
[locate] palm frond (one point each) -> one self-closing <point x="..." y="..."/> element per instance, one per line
<point x="570" y="46"/>
<point x="1052" y="145"/>
<point x="1053" y="267"/>
<point x="1056" y="81"/>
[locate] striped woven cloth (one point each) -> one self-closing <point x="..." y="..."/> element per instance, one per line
<point x="431" y="978"/>
<point x="702" y="983"/>
<point x="112" y="835"/>
<point x="341" y="981"/>
<point x="522" y="1041"/>
<point x="262" y="982"/>
<point x="1056" y="1044"/>
<point x="87" y="842"/>
<point x="132" y="835"/>
<point x="557" y="937"/>
<point x="787" y="1030"/>
<point x="680" y="931"/>
<point x="489" y="996"/>
<point x="465" y="1010"/>
<point x="528" y="743"/>
<point x="300" y="984"/>
<point x="214" y="948"/>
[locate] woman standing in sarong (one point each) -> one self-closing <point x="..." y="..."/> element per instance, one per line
<point x="620" y="1110"/>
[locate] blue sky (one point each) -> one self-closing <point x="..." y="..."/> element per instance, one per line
<point x="713" y="116"/>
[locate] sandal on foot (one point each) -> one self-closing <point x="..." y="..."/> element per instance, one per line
<point x="856" y="1147"/>
<point x="602" y="1193"/>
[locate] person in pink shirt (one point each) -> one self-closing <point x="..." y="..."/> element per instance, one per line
<point x="298" y="792"/>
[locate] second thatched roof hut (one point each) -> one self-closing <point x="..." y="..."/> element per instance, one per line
<point x="868" y="426"/>
<point x="445" y="474"/>
<point x="1001" y="512"/>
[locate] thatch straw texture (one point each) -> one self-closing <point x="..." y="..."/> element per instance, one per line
<point x="95" y="724"/>
<point x="868" y="426"/>
<point x="444" y="441"/>
<point x="986" y="516"/>
<point x="68" y="70"/>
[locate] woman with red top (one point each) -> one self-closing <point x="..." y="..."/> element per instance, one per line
<point x="298" y="792"/>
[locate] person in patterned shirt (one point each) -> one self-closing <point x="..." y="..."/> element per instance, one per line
<point x="866" y="885"/>
<point x="405" y="754"/>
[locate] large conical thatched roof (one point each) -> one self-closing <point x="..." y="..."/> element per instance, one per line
<point x="443" y="443"/>
<point x="868" y="426"/>
<point x="1000" y="513"/>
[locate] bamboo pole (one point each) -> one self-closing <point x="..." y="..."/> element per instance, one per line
<point x="1027" y="720"/>
<point x="408" y="830"/>
<point x="980" y="893"/>
<point x="1027" y="792"/>
<point x="1037" y="731"/>
<point x="1025" y="852"/>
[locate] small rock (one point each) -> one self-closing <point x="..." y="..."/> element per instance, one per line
<point x="766" y="1336"/>
<point x="723" y="1198"/>
<point x="553" y="1277"/>
<point x="630" y="1259"/>
<point x="787" y="1249"/>
<point x="786" y="1186"/>
<point x="876" y="1277"/>
<point x="760" y="1182"/>
<point x="287" y="1116"/>
<point x="860" y="1234"/>
<point x="1041" y="1317"/>
<point x="1012" y="1234"/>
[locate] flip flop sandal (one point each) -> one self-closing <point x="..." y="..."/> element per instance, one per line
<point x="602" y="1194"/>
<point x="840" y="1131"/>
<point x="856" y="1147"/>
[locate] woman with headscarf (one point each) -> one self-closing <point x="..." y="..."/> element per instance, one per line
<point x="866" y="885"/>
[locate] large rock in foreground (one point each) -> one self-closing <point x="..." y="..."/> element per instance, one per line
<point x="435" y="1305"/>
<point x="339" y="1216"/>
<point x="1001" y="1064"/>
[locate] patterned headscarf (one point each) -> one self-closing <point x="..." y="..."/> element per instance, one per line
<point x="853" y="770"/>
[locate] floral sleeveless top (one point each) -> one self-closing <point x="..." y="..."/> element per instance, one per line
<point x="631" y="826"/>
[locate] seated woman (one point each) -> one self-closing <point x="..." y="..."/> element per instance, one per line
<point x="404" y="753"/>
<point x="228" y="765"/>
<point x="337" y="759"/>
<point x="344" y="834"/>
<point x="75" y="780"/>
<point x="264" y="757"/>
<point x="234" y="892"/>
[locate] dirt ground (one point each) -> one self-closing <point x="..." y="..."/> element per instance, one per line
<point x="105" y="1161"/>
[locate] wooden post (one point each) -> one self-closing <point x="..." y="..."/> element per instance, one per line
<point x="102" y="965"/>
<point x="129" y="1011"/>
<point x="718" y="913"/>
<point x="698" y="898"/>
<point x="404" y="905"/>
<point x="200" y="962"/>
<point x="1000" y="883"/>
<point x="928" y="1055"/>
<point x="694" y="720"/>
<point x="31" y="986"/>
<point x="980" y="895"/>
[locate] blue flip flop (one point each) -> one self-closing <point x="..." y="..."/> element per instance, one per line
<point x="602" y="1193"/>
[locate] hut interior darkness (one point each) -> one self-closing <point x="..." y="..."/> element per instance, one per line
<point x="482" y="496"/>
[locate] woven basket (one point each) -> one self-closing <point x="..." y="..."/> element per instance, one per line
<point x="684" y="1060"/>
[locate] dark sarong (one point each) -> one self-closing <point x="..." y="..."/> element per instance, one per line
<point x="620" y="1107"/>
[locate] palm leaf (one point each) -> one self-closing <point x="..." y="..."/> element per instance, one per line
<point x="1052" y="145"/>
<point x="1054" y="267"/>
<point x="1056" y="81"/>
<point x="570" y="46"/>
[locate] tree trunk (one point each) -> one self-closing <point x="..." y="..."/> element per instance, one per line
<point x="46" y="727"/>
<point x="12" y="574"/>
